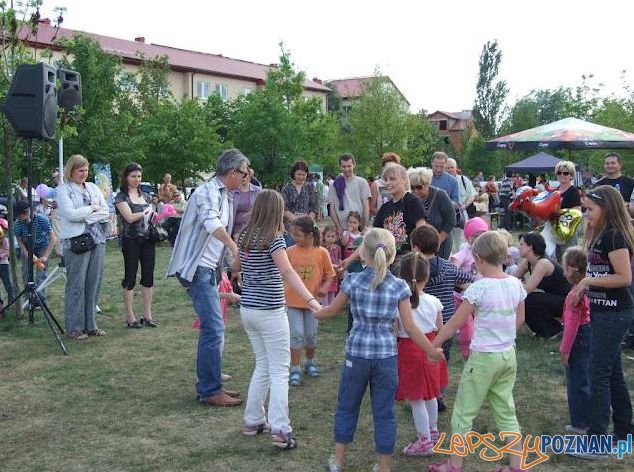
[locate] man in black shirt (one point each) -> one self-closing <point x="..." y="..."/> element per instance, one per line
<point x="612" y="164"/>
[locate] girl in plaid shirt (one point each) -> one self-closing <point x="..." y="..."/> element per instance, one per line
<point x="371" y="354"/>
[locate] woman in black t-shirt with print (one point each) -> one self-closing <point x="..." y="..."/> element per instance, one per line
<point x="609" y="241"/>
<point x="404" y="212"/>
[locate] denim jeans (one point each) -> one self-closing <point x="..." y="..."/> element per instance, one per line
<point x="268" y="332"/>
<point x="6" y="280"/>
<point x="303" y="326"/>
<point x="607" y="384"/>
<point x="356" y="374"/>
<point x="577" y="384"/>
<point x="38" y="275"/>
<point x="203" y="291"/>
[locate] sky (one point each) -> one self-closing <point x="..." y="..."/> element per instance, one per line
<point x="430" y="49"/>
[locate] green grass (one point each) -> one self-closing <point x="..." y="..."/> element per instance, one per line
<point x="126" y="402"/>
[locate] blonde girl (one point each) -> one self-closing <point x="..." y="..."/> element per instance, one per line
<point x="371" y="353"/>
<point x="265" y="270"/>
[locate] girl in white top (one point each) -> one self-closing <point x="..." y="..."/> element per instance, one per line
<point x="419" y="380"/>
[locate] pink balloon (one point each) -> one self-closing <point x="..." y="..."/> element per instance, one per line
<point x="42" y="191"/>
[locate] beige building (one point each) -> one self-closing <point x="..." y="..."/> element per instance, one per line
<point x="193" y="74"/>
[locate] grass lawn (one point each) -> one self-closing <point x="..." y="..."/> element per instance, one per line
<point x="126" y="401"/>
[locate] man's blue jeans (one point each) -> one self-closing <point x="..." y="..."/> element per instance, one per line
<point x="203" y="291"/>
<point x="607" y="384"/>
<point x="382" y="376"/>
<point x="577" y="384"/>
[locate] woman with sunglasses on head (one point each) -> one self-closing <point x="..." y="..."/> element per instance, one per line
<point x="609" y="242"/>
<point x="134" y="211"/>
<point x="570" y="198"/>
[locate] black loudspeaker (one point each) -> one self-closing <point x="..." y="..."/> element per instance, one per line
<point x="69" y="95"/>
<point x="31" y="105"/>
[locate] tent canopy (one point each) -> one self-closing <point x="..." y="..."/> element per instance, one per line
<point x="538" y="163"/>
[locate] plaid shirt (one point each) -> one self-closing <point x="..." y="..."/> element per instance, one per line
<point x="202" y="217"/>
<point x="372" y="335"/>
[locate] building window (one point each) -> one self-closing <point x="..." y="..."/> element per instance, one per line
<point x="202" y="89"/>
<point x="223" y="91"/>
<point x="442" y="125"/>
<point x="246" y="91"/>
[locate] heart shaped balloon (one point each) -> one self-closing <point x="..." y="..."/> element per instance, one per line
<point x="567" y="223"/>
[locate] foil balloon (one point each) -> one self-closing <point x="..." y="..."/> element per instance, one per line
<point x="567" y="223"/>
<point x="43" y="191"/>
<point x="542" y="205"/>
<point x="2" y="234"/>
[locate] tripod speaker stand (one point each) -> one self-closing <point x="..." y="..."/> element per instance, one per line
<point x="30" y="290"/>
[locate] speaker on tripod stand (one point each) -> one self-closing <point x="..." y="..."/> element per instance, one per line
<point x="31" y="108"/>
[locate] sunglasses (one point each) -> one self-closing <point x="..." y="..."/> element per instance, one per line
<point x="563" y="172"/>
<point x="418" y="187"/>
<point x="595" y="196"/>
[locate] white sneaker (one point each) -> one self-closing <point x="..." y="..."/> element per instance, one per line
<point x="332" y="467"/>
<point x="574" y="430"/>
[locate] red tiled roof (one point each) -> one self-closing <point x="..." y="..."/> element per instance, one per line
<point x="179" y="59"/>
<point x="349" y="88"/>
<point x="352" y="87"/>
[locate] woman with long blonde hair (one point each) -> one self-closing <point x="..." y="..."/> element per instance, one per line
<point x="265" y="268"/>
<point x="609" y="242"/>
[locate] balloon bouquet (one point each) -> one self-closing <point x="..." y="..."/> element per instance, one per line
<point x="559" y="225"/>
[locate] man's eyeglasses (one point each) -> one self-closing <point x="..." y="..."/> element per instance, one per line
<point x="563" y="172"/>
<point x="243" y="172"/>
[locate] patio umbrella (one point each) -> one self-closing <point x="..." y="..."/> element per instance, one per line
<point x="569" y="133"/>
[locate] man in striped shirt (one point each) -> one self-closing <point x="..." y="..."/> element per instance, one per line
<point x="203" y="236"/>
<point x="43" y="242"/>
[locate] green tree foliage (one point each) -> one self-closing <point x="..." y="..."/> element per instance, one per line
<point x="422" y="139"/>
<point x="488" y="109"/>
<point x="379" y="123"/>
<point x="104" y="128"/>
<point x="277" y="125"/>
<point x="177" y="138"/>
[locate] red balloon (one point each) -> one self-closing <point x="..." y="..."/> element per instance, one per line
<point x="542" y="205"/>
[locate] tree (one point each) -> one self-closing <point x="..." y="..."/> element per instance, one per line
<point x="103" y="132"/>
<point x="422" y="139"/>
<point x="378" y="120"/>
<point x="177" y="137"/>
<point x="488" y="109"/>
<point x="277" y="125"/>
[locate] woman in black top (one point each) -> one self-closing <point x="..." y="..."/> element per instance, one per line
<point x="546" y="286"/>
<point x="134" y="213"/>
<point x="570" y="198"/>
<point x="609" y="241"/>
<point x="404" y="212"/>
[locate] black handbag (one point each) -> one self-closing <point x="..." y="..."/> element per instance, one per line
<point x="156" y="235"/>
<point x="82" y="243"/>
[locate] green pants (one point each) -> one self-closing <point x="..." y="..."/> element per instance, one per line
<point x="486" y="376"/>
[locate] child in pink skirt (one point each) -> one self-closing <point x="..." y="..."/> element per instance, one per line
<point x="419" y="380"/>
<point x="464" y="260"/>
<point x="329" y="241"/>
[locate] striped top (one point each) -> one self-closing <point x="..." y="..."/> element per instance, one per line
<point x="262" y="285"/>
<point x="41" y="231"/>
<point x="443" y="278"/>
<point x="496" y="302"/>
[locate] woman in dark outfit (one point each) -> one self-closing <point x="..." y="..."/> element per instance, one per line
<point x="570" y="198"/>
<point x="546" y="287"/>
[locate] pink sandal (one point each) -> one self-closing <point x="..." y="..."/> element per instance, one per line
<point x="438" y="466"/>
